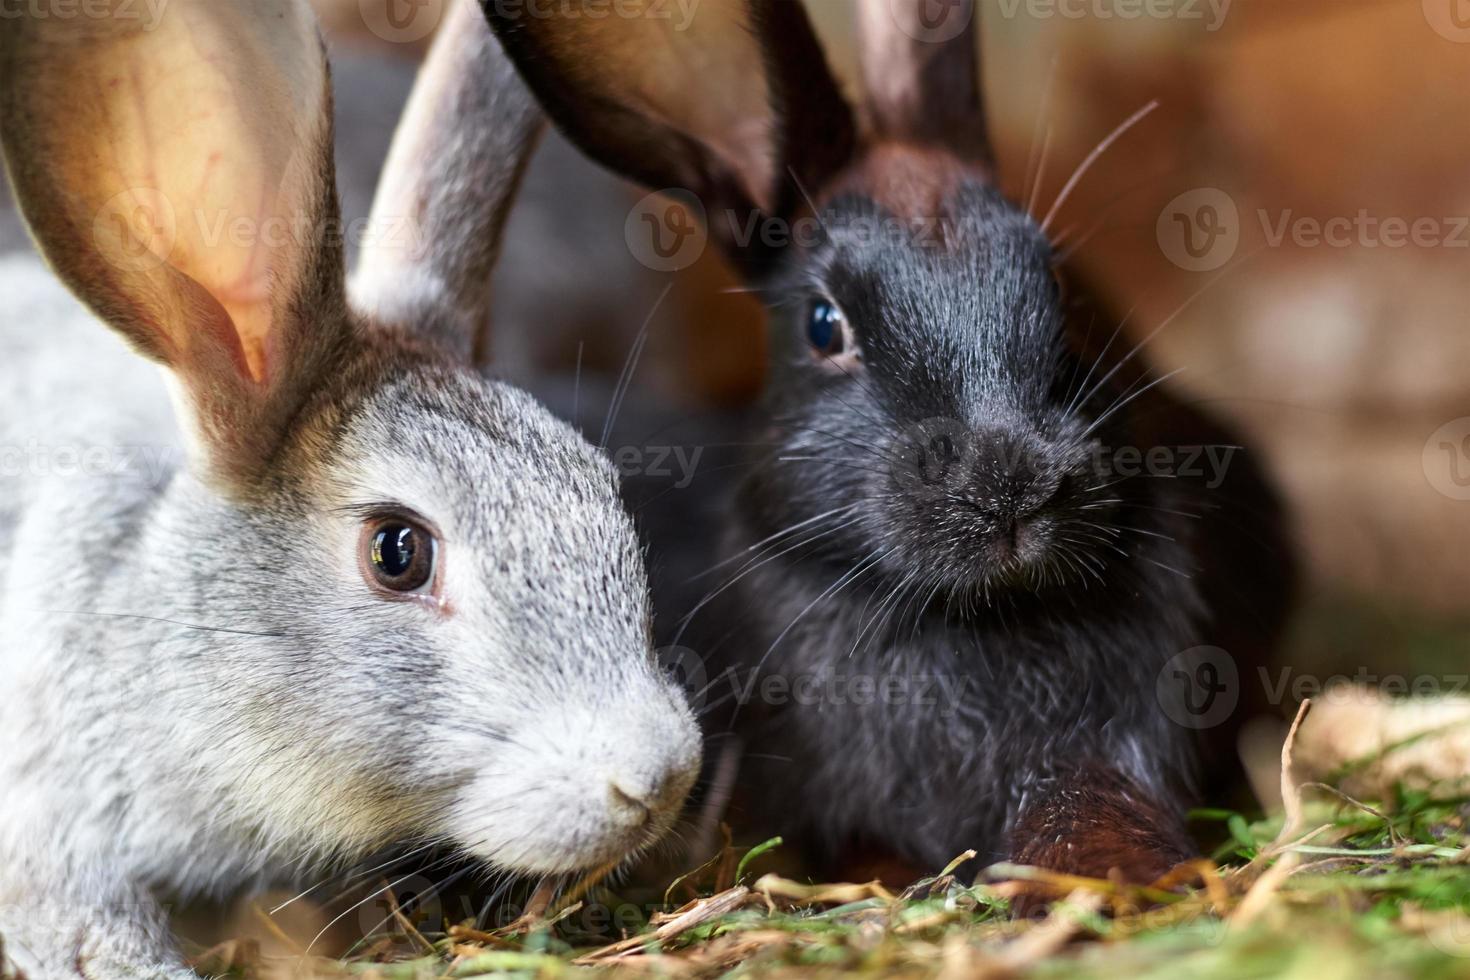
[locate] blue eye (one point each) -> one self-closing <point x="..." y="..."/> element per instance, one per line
<point x="824" y="328"/>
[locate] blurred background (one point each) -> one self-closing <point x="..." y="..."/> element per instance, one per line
<point x="1297" y="208"/>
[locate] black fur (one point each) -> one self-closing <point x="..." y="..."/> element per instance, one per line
<point x="1042" y="649"/>
<point x="939" y="507"/>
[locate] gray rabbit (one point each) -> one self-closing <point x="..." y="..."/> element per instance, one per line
<point x="327" y="590"/>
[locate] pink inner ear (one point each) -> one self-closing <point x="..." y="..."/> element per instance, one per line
<point x="218" y="147"/>
<point x="230" y="245"/>
<point x="196" y="332"/>
<point x="246" y="300"/>
<point x="237" y="272"/>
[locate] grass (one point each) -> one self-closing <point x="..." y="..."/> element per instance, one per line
<point x="1354" y="889"/>
<point x="1342" y="888"/>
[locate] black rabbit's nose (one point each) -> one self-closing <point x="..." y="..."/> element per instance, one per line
<point x="1009" y="538"/>
<point x="1011" y="474"/>
<point x="937" y="458"/>
<point x="1006" y="473"/>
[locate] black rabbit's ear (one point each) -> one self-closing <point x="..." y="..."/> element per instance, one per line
<point x="735" y="104"/>
<point x="921" y="73"/>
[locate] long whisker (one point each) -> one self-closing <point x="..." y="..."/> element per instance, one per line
<point x="428" y="894"/>
<point x="371" y="895"/>
<point x="1125" y="400"/>
<point x="846" y="579"/>
<point x="1035" y="193"/>
<point x="1168" y="321"/>
<point x="1032" y="155"/>
<point x="630" y="365"/>
<point x="753" y="566"/>
<point x="397" y="859"/>
<point x="1092" y="158"/>
<point x="779" y="534"/>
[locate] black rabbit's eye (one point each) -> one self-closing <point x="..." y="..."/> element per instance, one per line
<point x="825" y="328"/>
<point x="400" y="555"/>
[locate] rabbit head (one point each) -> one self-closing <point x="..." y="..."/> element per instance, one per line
<point x="928" y="412"/>
<point x="419" y="610"/>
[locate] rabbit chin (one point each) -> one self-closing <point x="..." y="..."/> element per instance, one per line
<point x="552" y="838"/>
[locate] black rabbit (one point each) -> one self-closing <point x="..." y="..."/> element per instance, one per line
<point x="980" y="547"/>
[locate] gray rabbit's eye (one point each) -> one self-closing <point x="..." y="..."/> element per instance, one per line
<point x="401" y="555"/>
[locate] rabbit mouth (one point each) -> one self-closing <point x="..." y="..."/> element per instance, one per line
<point x="580" y="853"/>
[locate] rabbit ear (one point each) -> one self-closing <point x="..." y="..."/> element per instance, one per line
<point x="178" y="177"/>
<point x="735" y="105"/>
<point x="451" y="178"/>
<point x="921" y="73"/>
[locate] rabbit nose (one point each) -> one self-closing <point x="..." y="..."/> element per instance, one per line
<point x="634" y="802"/>
<point x="628" y="805"/>
<point x="1000" y="473"/>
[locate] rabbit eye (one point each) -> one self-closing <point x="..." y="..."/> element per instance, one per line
<point x="827" y="328"/>
<point x="400" y="555"/>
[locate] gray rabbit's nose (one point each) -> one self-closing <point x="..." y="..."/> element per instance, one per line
<point x="628" y="805"/>
<point x="635" y="801"/>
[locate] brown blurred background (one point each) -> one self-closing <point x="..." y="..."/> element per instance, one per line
<point x="1346" y="357"/>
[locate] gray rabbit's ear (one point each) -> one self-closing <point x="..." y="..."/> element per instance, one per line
<point x="921" y="74"/>
<point x="448" y="187"/>
<point x="733" y="103"/>
<point x="177" y="175"/>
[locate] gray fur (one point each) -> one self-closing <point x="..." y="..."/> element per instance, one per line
<point x="200" y="694"/>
